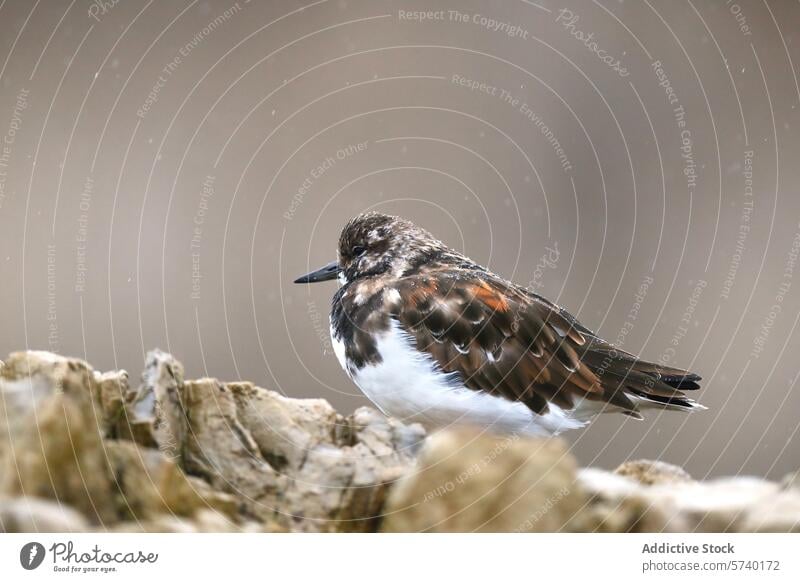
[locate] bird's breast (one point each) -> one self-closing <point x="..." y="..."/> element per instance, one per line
<point x="408" y="384"/>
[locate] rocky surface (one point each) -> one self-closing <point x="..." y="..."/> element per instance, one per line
<point x="82" y="450"/>
<point x="469" y="482"/>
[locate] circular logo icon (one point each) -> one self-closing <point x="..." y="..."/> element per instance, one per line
<point x="31" y="555"/>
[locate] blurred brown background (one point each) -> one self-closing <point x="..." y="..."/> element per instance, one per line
<point x="167" y="168"/>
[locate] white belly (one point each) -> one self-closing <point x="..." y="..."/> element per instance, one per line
<point x="410" y="386"/>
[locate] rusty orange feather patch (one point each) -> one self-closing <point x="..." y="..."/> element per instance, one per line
<point x="493" y="299"/>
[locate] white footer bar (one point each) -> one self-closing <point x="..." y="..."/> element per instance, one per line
<point x="415" y="557"/>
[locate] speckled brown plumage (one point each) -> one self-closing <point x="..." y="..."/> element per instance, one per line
<point x="499" y="337"/>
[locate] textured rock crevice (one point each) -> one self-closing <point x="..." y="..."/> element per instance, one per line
<point x="174" y="454"/>
<point x="82" y="450"/>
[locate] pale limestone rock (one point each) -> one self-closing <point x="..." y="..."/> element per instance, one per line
<point x="733" y="504"/>
<point x="718" y="505"/>
<point x="779" y="513"/>
<point x="54" y="447"/>
<point x="112" y="388"/>
<point x="150" y="484"/>
<point x="293" y="462"/>
<point x="791" y="481"/>
<point x="82" y="450"/>
<point x="31" y="514"/>
<point x="142" y="419"/>
<point x="476" y="482"/>
<point x="618" y="504"/>
<point x="649" y="472"/>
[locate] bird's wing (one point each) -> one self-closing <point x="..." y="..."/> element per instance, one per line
<point x="509" y="342"/>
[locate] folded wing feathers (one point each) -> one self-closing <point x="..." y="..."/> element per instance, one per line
<point x="508" y="342"/>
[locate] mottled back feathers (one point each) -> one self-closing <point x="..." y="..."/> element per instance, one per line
<point x="498" y="337"/>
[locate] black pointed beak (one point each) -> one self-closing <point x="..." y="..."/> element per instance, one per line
<point x="326" y="273"/>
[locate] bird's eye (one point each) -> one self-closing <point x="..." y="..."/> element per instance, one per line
<point x="358" y="251"/>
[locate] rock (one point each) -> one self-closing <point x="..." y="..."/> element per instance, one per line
<point x="779" y="513"/>
<point x="212" y="442"/>
<point x="469" y="482"/>
<point x="30" y="514"/>
<point x="22" y="391"/>
<point x="112" y="389"/>
<point x="81" y="450"/>
<point x="791" y="481"/>
<point x="151" y="484"/>
<point x="206" y="521"/>
<point x="294" y="463"/>
<point x="734" y="504"/>
<point x="652" y="472"/>
<point x="283" y="429"/>
<point x="617" y="504"/>
<point x="55" y="450"/>
<point x="719" y="505"/>
<point x="350" y="477"/>
<point x="141" y="419"/>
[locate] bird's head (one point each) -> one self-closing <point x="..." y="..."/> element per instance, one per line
<point x="374" y="244"/>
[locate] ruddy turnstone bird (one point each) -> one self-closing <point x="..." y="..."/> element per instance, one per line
<point x="430" y="336"/>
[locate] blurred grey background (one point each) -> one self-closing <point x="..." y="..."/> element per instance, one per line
<point x="167" y="169"/>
